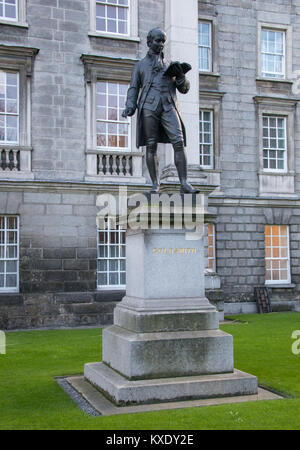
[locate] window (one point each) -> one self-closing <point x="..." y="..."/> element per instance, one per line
<point x="111" y="271"/>
<point x="211" y="247"/>
<point x="113" y="130"/>
<point x="272" y="53"/>
<point x="13" y="13"/>
<point x="276" y="149"/>
<point x="110" y="138"/>
<point x="206" y="139"/>
<point x="112" y="16"/>
<point x="9" y="107"/>
<point x="205" y="46"/>
<point x="277" y="254"/>
<point x="9" y="9"/>
<point x="16" y="65"/>
<point x="9" y="253"/>
<point x="274" y="143"/>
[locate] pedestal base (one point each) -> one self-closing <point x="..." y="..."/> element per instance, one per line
<point x="124" y="392"/>
<point x="167" y="354"/>
<point x="165" y="344"/>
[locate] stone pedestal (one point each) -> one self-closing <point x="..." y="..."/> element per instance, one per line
<point x="165" y="343"/>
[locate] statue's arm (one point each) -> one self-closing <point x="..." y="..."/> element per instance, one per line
<point x="133" y="92"/>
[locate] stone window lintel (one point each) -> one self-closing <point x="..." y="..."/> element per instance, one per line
<point x="107" y="68"/>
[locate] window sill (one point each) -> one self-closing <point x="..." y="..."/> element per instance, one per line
<point x="113" y="36"/>
<point x="111" y="288"/>
<point x="280" y="286"/>
<point x="14" y="24"/>
<point x="211" y="170"/>
<point x="210" y="74"/>
<point x="275" y="80"/>
<point x="277" y="173"/>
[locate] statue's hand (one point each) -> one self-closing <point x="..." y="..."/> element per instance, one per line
<point x="128" y="112"/>
<point x="177" y="69"/>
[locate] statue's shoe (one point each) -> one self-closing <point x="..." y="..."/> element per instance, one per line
<point x="155" y="188"/>
<point x="187" y="188"/>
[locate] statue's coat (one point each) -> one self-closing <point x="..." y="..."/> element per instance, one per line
<point x="141" y="80"/>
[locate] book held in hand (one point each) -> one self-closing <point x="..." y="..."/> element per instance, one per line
<point x="171" y="72"/>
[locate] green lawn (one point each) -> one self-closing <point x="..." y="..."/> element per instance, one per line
<point x="31" y="399"/>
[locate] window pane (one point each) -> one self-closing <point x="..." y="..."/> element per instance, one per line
<point x="11" y="251"/>
<point x="11" y="266"/>
<point x="102" y="251"/>
<point x="102" y="279"/>
<point x="113" y="279"/>
<point x="102" y="265"/>
<point x="123" y="278"/>
<point x="100" y="25"/>
<point x="113" y="265"/>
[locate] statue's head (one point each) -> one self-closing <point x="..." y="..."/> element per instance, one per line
<point x="156" y="39"/>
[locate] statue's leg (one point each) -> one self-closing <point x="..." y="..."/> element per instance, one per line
<point x="152" y="165"/>
<point x="173" y="129"/>
<point x="150" y="127"/>
<point x="181" y="166"/>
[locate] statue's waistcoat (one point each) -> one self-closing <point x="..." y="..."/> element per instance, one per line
<point x="159" y="92"/>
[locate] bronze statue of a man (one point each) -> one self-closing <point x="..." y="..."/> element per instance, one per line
<point x="159" y="118"/>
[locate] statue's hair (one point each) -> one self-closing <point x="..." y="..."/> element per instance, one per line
<point x="152" y="33"/>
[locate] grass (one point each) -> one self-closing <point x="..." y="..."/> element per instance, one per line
<point x="31" y="399"/>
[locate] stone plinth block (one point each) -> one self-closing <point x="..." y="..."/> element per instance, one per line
<point x="122" y="391"/>
<point x="164" y="321"/>
<point x="167" y="354"/>
<point x="158" y="262"/>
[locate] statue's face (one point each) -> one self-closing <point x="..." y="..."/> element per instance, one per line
<point x="158" y="42"/>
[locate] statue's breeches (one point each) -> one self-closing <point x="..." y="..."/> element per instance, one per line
<point x="169" y="120"/>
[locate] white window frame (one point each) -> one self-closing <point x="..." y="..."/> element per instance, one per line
<point x="268" y="74"/>
<point x="287" y="49"/>
<point x="13" y="19"/>
<point x="132" y="29"/>
<point x="210" y="47"/>
<point x="287" y="258"/>
<point x="201" y="135"/>
<point x="17" y="114"/>
<point x="19" y="60"/>
<point x="116" y="122"/>
<point x="5" y="259"/>
<point x="285" y="149"/>
<point x="20" y="20"/>
<point x="121" y="232"/>
<point x="116" y="5"/>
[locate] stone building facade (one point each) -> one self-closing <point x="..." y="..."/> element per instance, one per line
<point x="64" y="68"/>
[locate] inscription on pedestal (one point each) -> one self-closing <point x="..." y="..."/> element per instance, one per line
<point x="174" y="251"/>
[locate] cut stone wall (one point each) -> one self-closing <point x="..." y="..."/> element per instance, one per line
<point x="23" y="311"/>
<point x="240" y="250"/>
